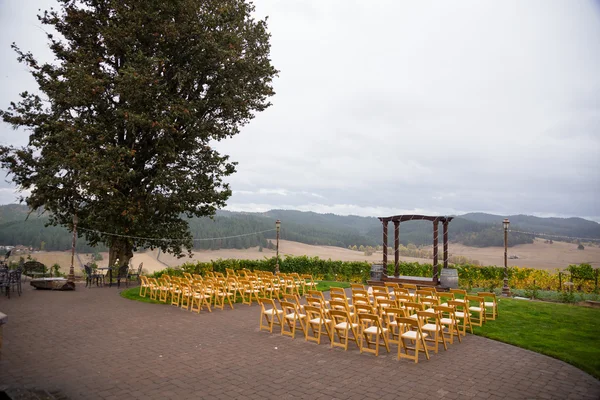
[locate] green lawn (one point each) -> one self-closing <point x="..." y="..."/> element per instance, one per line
<point x="567" y="332"/>
<point x="324" y="286"/>
<point x="134" y="294"/>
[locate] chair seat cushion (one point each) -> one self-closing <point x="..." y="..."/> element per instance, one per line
<point x="447" y="321"/>
<point x="291" y="316"/>
<point x="429" y="327"/>
<point x="375" y="330"/>
<point x="345" y="325"/>
<point x="273" y="311"/>
<point x="412" y="335"/>
<point x="489" y="304"/>
<point x="460" y="314"/>
<point x="319" y="320"/>
<point x="478" y="309"/>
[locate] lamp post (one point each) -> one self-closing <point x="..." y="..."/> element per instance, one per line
<point x="277" y="226"/>
<point x="71" y="277"/>
<point x="505" y="288"/>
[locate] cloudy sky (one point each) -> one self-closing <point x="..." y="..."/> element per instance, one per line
<point x="389" y="107"/>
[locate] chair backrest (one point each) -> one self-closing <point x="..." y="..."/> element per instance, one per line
<point x="289" y="307"/>
<point x="461" y="292"/>
<point x="313" y="312"/>
<point x="413" y="307"/>
<point x="365" y="320"/>
<point x="477" y="299"/>
<point x="357" y="286"/>
<point x="428" y="317"/>
<point x="488" y="296"/>
<point x="337" y="290"/>
<point x="409" y="286"/>
<point x="266" y="302"/>
<point x="315" y="302"/>
<point x="384" y="304"/>
<point x="364" y="309"/>
<point x="340" y="316"/>
<point x="339" y="305"/>
<point x="391" y="313"/>
<point x="338" y="297"/>
<point x="291" y="298"/>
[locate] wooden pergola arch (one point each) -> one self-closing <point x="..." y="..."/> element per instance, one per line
<point x="397" y="219"/>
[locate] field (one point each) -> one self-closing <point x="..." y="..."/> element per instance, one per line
<point x="537" y="255"/>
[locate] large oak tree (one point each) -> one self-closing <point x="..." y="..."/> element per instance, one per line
<point x="120" y="131"/>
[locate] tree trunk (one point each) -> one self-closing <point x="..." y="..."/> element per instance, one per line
<point x="120" y="249"/>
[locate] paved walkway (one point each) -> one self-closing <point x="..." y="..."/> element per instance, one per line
<point x="93" y="344"/>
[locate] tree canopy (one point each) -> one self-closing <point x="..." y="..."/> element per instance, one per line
<point x="120" y="132"/>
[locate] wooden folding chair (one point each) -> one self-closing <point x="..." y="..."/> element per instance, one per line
<point x="390" y="320"/>
<point x="444" y="298"/>
<point x="317" y="294"/>
<point x="490" y="301"/>
<point x="429" y="303"/>
<point x="154" y="285"/>
<point x="344" y="328"/>
<point x="459" y="295"/>
<point x="309" y="282"/>
<point x="293" y="318"/>
<point x="430" y="323"/>
<point x="163" y="289"/>
<point x="316" y="320"/>
<point x="384" y="304"/>
<point x="316" y="302"/>
<point x="360" y="297"/>
<point x="270" y="313"/>
<point x="411" y="331"/>
<point x="372" y="332"/>
<point x="412" y="308"/>
<point x="223" y="294"/>
<point x="200" y="298"/>
<point x="342" y="305"/>
<point x="175" y="294"/>
<point x="478" y="307"/>
<point x="448" y="319"/>
<point x="339" y="291"/>
<point x="249" y="292"/>
<point x="391" y="286"/>
<point x="144" y="285"/>
<point x="186" y="296"/>
<point x="463" y="316"/>
<point x="359" y="286"/>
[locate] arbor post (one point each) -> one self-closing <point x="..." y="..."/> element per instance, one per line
<point x="385" y="239"/>
<point x="277" y="226"/>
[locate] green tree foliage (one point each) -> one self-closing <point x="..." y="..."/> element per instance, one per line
<point x="120" y="132"/>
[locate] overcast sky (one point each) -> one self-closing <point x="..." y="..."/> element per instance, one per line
<point x="389" y="107"/>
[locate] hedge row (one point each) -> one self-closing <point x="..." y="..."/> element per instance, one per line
<point x="584" y="277"/>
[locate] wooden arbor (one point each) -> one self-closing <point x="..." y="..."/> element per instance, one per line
<point x="397" y="219"/>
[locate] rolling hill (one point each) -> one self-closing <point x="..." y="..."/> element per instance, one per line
<point x="235" y="230"/>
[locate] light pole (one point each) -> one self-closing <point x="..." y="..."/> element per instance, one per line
<point x="505" y="288"/>
<point x="277" y="226"/>
<point x="71" y="277"/>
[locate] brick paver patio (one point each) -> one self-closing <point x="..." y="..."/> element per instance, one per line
<point x="93" y="344"/>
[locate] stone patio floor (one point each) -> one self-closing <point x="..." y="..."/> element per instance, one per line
<point x="93" y="344"/>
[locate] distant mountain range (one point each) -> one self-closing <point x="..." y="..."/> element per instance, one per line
<point x="230" y="229"/>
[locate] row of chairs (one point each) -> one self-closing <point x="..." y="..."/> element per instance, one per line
<point x="195" y="292"/>
<point x="416" y="322"/>
<point x="484" y="304"/>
